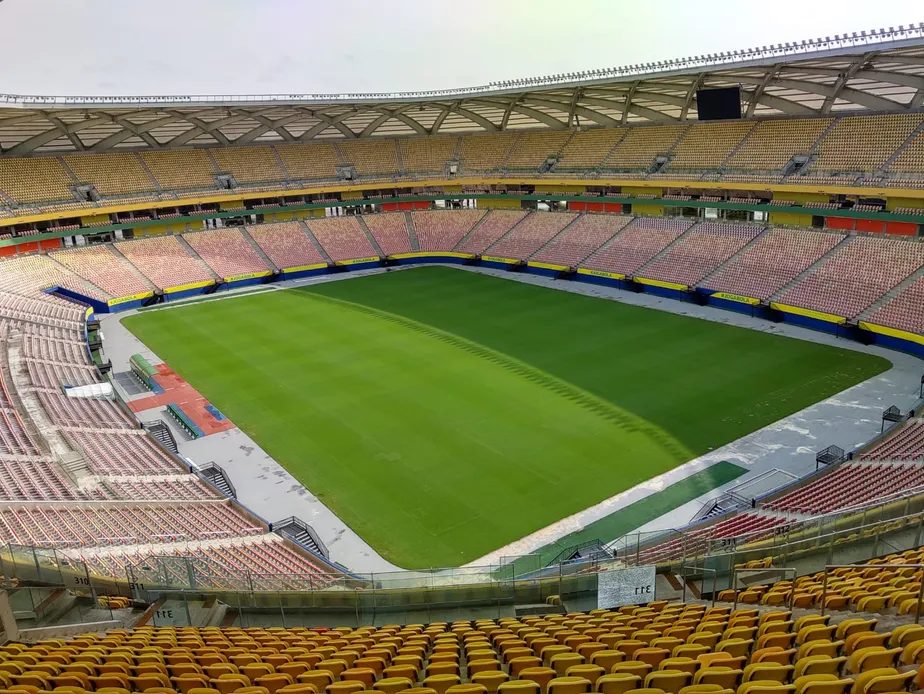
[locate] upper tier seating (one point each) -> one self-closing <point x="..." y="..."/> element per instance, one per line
<point x="638" y="242"/>
<point x="342" y="238"/>
<point x="772" y="143"/>
<point x="904" y="310"/>
<point x="638" y="149"/>
<point x="374" y="157"/>
<point x="309" y="162"/>
<point x="389" y="230"/>
<point x="164" y="261"/>
<point x="227" y="252"/>
<point x="851" y="484"/>
<point x="772" y="261"/>
<point x="495" y="224"/>
<point x="532" y="150"/>
<point x="863" y="143"/>
<point x="105" y="268"/>
<point x="911" y="159"/>
<point x="36" y="179"/>
<point x="181" y="169"/>
<point x="704" y="247"/>
<point x="582" y="238"/>
<point x="905" y="444"/>
<point x="249" y="164"/>
<point x="531" y="234"/>
<point x="441" y="230"/>
<point x="286" y="244"/>
<point x="486" y="152"/>
<point x="708" y="145"/>
<point x="426" y="155"/>
<point x="118" y="173"/>
<point x="855" y="275"/>
<point x="588" y="149"/>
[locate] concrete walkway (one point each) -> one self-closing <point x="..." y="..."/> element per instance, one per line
<point x="847" y="419"/>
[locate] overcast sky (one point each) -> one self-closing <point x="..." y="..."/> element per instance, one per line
<point x="110" y="47"/>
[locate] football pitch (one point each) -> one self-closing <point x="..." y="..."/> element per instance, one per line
<point x="443" y="414"/>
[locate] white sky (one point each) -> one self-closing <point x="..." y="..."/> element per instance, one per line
<point x="127" y="47"/>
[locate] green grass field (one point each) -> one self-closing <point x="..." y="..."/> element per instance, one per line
<point x="443" y="414"/>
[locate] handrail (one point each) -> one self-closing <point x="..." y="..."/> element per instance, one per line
<point x="879" y="567"/>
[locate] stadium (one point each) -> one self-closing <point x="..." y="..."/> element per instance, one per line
<point x="607" y="381"/>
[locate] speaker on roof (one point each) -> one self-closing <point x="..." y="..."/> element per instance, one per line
<point x="718" y="104"/>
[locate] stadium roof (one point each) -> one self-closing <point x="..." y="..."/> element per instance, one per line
<point x="877" y="71"/>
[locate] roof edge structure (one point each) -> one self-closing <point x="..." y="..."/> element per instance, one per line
<point x="877" y="71"/>
<point x="853" y="43"/>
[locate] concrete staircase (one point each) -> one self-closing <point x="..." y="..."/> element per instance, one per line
<point x="150" y="174"/>
<point x="412" y="231"/>
<point x="192" y="252"/>
<point x="259" y="251"/>
<point x="317" y="244"/>
<point x="369" y="236"/>
<point x="917" y="132"/>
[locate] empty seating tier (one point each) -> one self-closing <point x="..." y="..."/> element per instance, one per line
<point x="342" y="238"/>
<point x="486" y="152"/>
<point x="427" y="155"/>
<point x="389" y="230"/>
<point x="36" y="179"/>
<point x="863" y="143"/>
<point x="588" y="149"/>
<point x="120" y="524"/>
<point x="851" y="484"/>
<point x="772" y="261"/>
<point x="905" y="444"/>
<point x="374" y="157"/>
<point x="855" y="275"/>
<point x="495" y="224"/>
<point x="638" y="242"/>
<point x="772" y="143"/>
<point x="181" y="169"/>
<point x="164" y="261"/>
<point x="533" y="149"/>
<point x="638" y="149"/>
<point x="700" y="251"/>
<point x="227" y="252"/>
<point x="309" y="162"/>
<point x="105" y="268"/>
<point x="286" y="244"/>
<point x="440" y="230"/>
<point x="249" y="164"/>
<point x="904" y="310"/>
<point x="708" y="145"/>
<point x="588" y="233"/>
<point x="531" y="234"/>
<point x="118" y="173"/>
